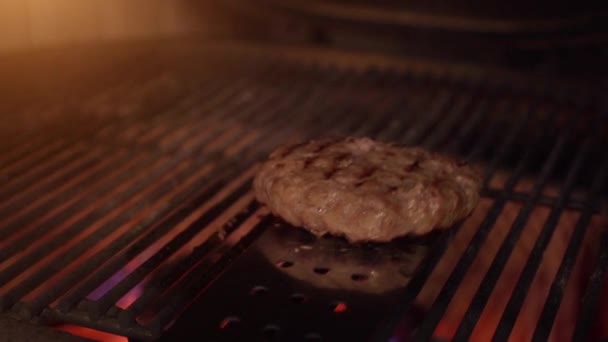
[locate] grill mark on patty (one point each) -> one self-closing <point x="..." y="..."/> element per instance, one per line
<point x="414" y="166"/>
<point x="364" y="177"/>
<point x="289" y="150"/>
<point x="368" y="172"/>
<point x="316" y="153"/>
<point x="323" y="146"/>
<point x="309" y="161"/>
<point x="329" y="174"/>
<point x="341" y="157"/>
<point x="338" y="158"/>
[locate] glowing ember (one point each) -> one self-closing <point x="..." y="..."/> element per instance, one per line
<point x="229" y="322"/>
<point x="131" y="296"/>
<point x="91" y="334"/>
<point x="340" y="307"/>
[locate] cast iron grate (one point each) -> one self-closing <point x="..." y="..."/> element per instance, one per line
<point x="118" y="218"/>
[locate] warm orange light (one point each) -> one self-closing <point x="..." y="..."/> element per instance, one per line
<point x="91" y="334"/>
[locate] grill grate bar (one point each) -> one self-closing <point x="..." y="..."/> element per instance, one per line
<point x="140" y="132"/>
<point x="392" y="131"/>
<point x="219" y="94"/>
<point x="39" y="169"/>
<point x="340" y="122"/>
<point x="222" y="96"/>
<point x="70" y="190"/>
<point x="550" y="201"/>
<point x="123" y="240"/>
<point x="98" y="193"/>
<point x="343" y="120"/>
<point x="165" y="225"/>
<point x="212" y="248"/>
<point x="455" y="279"/>
<point x="35" y="142"/>
<point x="61" y="286"/>
<point x="206" y="274"/>
<point x="41" y="175"/>
<point x="401" y="108"/>
<point x="127" y="317"/>
<point x="107" y="167"/>
<point x="591" y="301"/>
<point x="38" y="144"/>
<point x="556" y="291"/>
<point x="127" y="237"/>
<point x="105" y="324"/>
<point x="134" y="91"/>
<point x="441" y="102"/>
<point x="190" y="171"/>
<point x="502" y="152"/>
<point x="170" y="139"/>
<point x="489" y="281"/>
<point x="116" y="200"/>
<point x="380" y="129"/>
<point x="100" y="306"/>
<point x="485" y="140"/>
<point x="386" y="107"/>
<point x="423" y="273"/>
<point x="165" y="130"/>
<point x="457" y="142"/>
<point x="37" y="154"/>
<point x="92" y="195"/>
<point x="517" y="297"/>
<point x="56" y="264"/>
<point x="66" y="175"/>
<point x="213" y="252"/>
<point x="368" y="128"/>
<point x="456" y="112"/>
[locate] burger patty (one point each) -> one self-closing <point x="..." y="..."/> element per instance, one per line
<point x="366" y="190"/>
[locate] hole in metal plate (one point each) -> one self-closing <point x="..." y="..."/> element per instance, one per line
<point x="284" y="263"/>
<point x="359" y="277"/>
<point x="321" y="270"/>
<point x="259" y="290"/>
<point x="310" y="337"/>
<point x="271" y="332"/>
<point x="297" y="298"/>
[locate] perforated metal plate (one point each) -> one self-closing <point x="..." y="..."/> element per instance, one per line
<point x="292" y="286"/>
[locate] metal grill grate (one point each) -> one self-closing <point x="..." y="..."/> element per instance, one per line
<point x="120" y="216"/>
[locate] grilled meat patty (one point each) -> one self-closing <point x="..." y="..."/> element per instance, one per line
<point x="366" y="190"/>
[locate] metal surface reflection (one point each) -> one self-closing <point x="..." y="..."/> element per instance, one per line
<point x="332" y="263"/>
